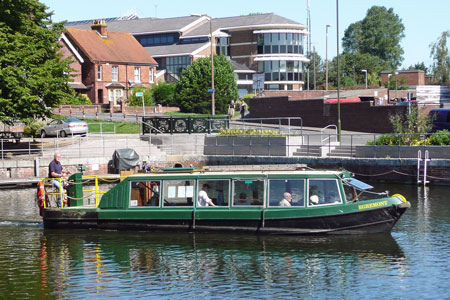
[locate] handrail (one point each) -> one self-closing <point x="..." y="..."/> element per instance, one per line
<point x="151" y="126"/>
<point x="96" y="180"/>
<point x="328" y="138"/>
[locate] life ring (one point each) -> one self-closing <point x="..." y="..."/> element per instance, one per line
<point x="41" y="197"/>
<point x="400" y="196"/>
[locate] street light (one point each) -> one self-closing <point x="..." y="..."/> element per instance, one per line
<point x="338" y="78"/>
<point x="396" y="73"/>
<point x="212" y="90"/>
<point x="389" y="85"/>
<point x="326" y="57"/>
<point x="365" y="71"/>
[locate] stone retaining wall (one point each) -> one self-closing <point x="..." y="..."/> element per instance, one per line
<point x="369" y="169"/>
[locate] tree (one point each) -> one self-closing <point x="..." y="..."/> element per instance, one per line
<point x="315" y="59"/>
<point x="33" y="73"/>
<point x="351" y="66"/>
<point x="191" y="91"/>
<point x="164" y="93"/>
<point x="419" y="66"/>
<point x="378" y="34"/>
<point x="441" y="58"/>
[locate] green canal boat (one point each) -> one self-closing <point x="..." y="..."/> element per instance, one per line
<point x="266" y="199"/>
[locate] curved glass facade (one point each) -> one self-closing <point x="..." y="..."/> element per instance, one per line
<point x="274" y="43"/>
<point x="281" y="70"/>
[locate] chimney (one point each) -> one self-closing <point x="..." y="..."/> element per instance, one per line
<point x="100" y="26"/>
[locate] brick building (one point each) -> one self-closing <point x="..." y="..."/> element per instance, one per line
<point x="409" y="77"/>
<point x="261" y="43"/>
<point x="107" y="64"/>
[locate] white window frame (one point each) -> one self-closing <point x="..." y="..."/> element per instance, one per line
<point x="151" y="75"/>
<point x="137" y="74"/>
<point x="115" y="73"/>
<point x="99" y="73"/>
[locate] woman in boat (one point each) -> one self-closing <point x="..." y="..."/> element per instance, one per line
<point x="286" y="200"/>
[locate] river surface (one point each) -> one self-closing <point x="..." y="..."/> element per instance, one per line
<point x="410" y="263"/>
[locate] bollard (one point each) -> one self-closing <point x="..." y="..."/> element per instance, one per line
<point x="96" y="113"/>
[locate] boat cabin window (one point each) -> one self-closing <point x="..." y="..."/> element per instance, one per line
<point x="178" y="193"/>
<point x="286" y="192"/>
<point x="216" y="190"/>
<point x="323" y="192"/>
<point x="144" y="193"/>
<point x="248" y="192"/>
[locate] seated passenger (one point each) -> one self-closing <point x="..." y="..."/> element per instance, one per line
<point x="242" y="200"/>
<point x="314" y="200"/>
<point x="286" y="200"/>
<point x="203" y="199"/>
<point x="331" y="198"/>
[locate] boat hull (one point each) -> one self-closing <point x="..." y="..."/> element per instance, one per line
<point x="360" y="222"/>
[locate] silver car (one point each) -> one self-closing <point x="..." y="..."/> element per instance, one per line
<point x="64" y="128"/>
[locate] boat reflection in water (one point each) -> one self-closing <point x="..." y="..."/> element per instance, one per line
<point x="139" y="260"/>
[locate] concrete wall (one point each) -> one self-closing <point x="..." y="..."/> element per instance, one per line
<point x="392" y="170"/>
<point x="401" y="152"/>
<point x="20" y="169"/>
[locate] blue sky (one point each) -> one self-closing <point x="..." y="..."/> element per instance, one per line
<point x="424" y="21"/>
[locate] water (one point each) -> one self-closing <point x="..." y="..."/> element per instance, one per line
<point x="410" y="263"/>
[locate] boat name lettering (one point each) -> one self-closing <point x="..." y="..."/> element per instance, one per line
<point x="372" y="205"/>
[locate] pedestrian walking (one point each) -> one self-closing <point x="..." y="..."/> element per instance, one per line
<point x="243" y="108"/>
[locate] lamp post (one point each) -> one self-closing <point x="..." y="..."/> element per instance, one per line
<point x="212" y="90"/>
<point x="338" y="78"/>
<point x="389" y="85"/>
<point x="365" y="71"/>
<point x="396" y="73"/>
<point x="326" y="57"/>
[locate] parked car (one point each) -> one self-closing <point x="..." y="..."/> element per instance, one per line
<point x="440" y="118"/>
<point x="64" y="128"/>
<point x="406" y="103"/>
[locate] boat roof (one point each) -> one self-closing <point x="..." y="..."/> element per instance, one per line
<point x="296" y="169"/>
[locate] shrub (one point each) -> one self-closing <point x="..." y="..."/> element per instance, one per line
<point x="441" y="138"/>
<point x="164" y="93"/>
<point x="249" y="132"/>
<point x="33" y="127"/>
<point x="385" y="140"/>
<point x="79" y="99"/>
<point x="137" y="101"/>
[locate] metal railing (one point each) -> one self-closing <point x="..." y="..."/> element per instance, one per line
<point x="328" y="137"/>
<point x="286" y="125"/>
<point x="180" y="125"/>
<point x="151" y="147"/>
<point x="58" y="199"/>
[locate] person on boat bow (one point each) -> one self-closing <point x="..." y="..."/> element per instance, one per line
<point x="286" y="200"/>
<point x="203" y="199"/>
<point x="55" y="170"/>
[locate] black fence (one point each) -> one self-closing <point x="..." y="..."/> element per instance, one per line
<point x="174" y="125"/>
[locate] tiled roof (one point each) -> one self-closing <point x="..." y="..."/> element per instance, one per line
<point x="153" y="25"/>
<point x="147" y="25"/>
<point x="117" y="47"/>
